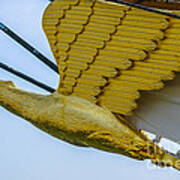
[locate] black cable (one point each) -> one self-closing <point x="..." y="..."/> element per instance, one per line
<point x="27" y="78"/>
<point x="27" y="46"/>
<point x="147" y="8"/>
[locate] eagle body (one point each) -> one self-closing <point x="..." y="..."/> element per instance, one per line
<point x="82" y="123"/>
<point x="73" y="119"/>
<point x="106" y="54"/>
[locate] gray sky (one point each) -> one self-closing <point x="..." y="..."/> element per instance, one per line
<point x="27" y="153"/>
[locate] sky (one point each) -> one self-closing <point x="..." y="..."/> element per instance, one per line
<point x="28" y="153"/>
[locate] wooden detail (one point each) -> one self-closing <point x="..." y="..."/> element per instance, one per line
<point x="107" y="53"/>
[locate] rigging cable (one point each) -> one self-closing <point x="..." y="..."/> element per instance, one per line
<point x="27" y="78"/>
<point x="147" y="8"/>
<point x="27" y="46"/>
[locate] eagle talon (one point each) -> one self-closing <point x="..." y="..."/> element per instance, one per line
<point x="99" y="135"/>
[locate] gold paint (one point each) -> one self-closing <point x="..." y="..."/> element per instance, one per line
<point x="106" y="54"/>
<point x="82" y="123"/>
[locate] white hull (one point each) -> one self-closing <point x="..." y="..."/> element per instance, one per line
<point x="159" y="111"/>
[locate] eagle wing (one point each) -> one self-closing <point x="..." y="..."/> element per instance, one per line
<point x="107" y="53"/>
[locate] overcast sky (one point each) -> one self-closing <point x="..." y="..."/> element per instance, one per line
<point x="27" y="153"/>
